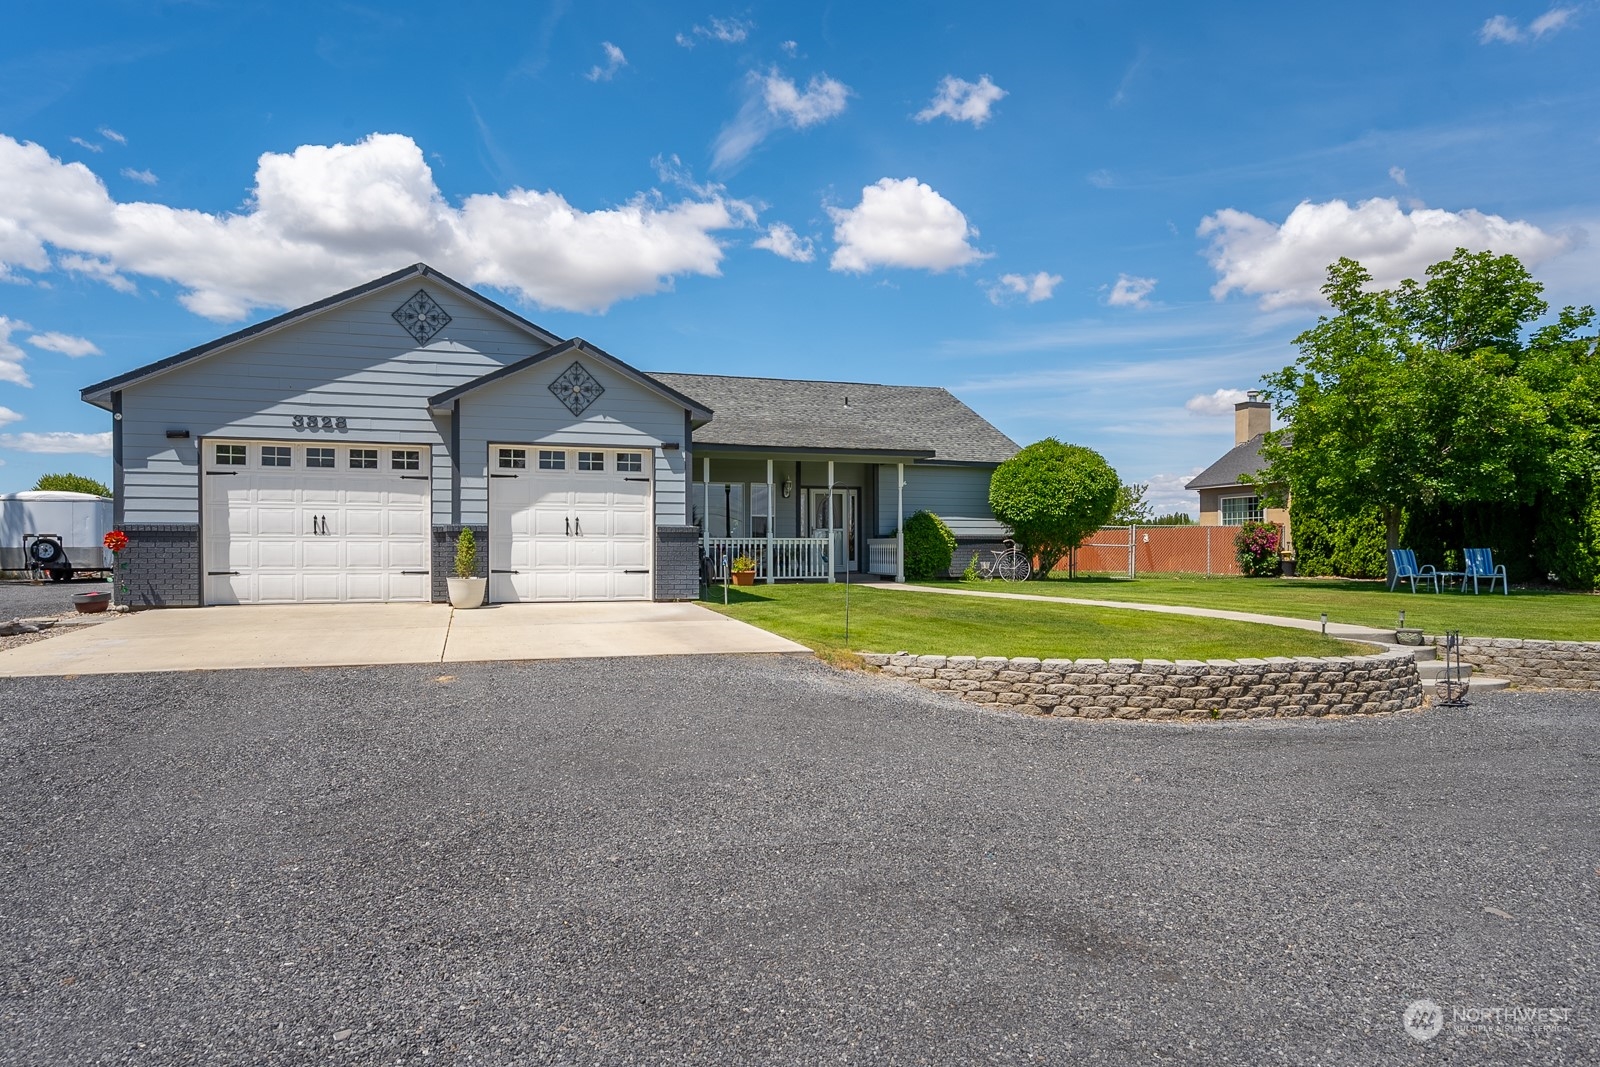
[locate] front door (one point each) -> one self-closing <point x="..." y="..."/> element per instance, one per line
<point x="837" y="513"/>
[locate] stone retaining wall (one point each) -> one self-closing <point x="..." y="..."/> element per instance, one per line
<point x="1163" y="689"/>
<point x="1542" y="664"/>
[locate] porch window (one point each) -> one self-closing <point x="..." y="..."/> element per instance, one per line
<point x="1238" y="510"/>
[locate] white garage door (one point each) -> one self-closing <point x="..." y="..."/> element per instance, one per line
<point x="288" y="523"/>
<point x="569" y="524"/>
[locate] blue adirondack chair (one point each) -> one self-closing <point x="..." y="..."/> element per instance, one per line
<point x="1403" y="565"/>
<point x="1480" y="565"/>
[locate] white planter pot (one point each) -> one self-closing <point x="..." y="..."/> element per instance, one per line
<point x="467" y="592"/>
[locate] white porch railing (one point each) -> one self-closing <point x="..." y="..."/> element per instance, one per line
<point x="792" y="557"/>
<point x="883" y="556"/>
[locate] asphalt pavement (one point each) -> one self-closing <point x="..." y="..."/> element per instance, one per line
<point x="24" y="599"/>
<point x="762" y="860"/>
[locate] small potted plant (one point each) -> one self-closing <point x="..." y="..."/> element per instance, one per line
<point x="744" y="570"/>
<point x="466" y="588"/>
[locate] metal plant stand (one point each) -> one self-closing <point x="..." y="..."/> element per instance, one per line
<point x="1452" y="685"/>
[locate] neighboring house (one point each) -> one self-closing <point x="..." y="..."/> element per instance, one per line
<point x="334" y="453"/>
<point x="1226" y="500"/>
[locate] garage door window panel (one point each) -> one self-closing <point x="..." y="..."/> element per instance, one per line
<point x="232" y="455"/>
<point x="408" y="459"/>
<point x="552" y="460"/>
<point x="513" y="459"/>
<point x="319" y="458"/>
<point x="364" y="459"/>
<point x="630" y="462"/>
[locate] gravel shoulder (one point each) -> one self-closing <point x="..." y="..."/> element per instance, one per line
<point x="738" y="860"/>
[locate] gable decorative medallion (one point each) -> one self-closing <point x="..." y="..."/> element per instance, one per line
<point x="421" y="317"/>
<point x="576" y="388"/>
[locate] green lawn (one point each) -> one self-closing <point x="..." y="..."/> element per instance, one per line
<point x="888" y="621"/>
<point x="1540" y="614"/>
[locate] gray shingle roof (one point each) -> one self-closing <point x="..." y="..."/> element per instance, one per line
<point x="781" y="413"/>
<point x="1239" y="460"/>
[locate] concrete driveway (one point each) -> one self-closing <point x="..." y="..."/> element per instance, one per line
<point x="347" y="635"/>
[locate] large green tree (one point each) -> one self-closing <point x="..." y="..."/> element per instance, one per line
<point x="71" y="483"/>
<point x="1132" y="509"/>
<point x="1053" y="495"/>
<point x="1432" y="400"/>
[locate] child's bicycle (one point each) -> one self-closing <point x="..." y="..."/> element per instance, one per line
<point x="1009" y="564"/>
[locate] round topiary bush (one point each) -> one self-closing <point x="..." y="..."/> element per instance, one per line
<point x="930" y="546"/>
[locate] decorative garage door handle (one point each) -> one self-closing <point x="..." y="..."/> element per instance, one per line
<point x="319" y="525"/>
<point x="569" y="525"/>
<point x="577" y="527"/>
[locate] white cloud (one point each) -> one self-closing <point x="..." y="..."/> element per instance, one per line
<point x="901" y="223"/>
<point x="1499" y="28"/>
<point x="90" y="145"/>
<point x="112" y="135"/>
<point x="1034" y="287"/>
<point x="1398" y="176"/>
<point x="59" y="443"/>
<point x="1101" y="179"/>
<point x="1552" y="21"/>
<point x="781" y="240"/>
<point x="1131" y="291"/>
<point x="727" y="31"/>
<point x="773" y="101"/>
<point x="823" y="98"/>
<point x="7" y="416"/>
<point x="615" y="61"/>
<point x="11" y="355"/>
<point x="963" y="101"/>
<point x="323" y="218"/>
<point x="65" y="343"/>
<point x="146" y="176"/>
<point x="1218" y="403"/>
<point x="790" y="48"/>
<point x="1286" y="264"/>
<point x="1166" y="493"/>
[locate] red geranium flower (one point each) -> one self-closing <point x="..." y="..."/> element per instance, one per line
<point x="116" y="540"/>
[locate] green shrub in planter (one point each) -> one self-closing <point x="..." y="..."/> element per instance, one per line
<point x="467" y="554"/>
<point x="930" y="546"/>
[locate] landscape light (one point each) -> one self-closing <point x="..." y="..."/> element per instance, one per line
<point x="1324" y="624"/>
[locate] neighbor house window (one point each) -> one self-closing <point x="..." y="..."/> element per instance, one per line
<point x="1238" y="510"/>
<point x="552" y="460"/>
<point x="230" y="455"/>
<point x="591" y="461"/>
<point x="513" y="459"/>
<point x="275" y="455"/>
<point x="405" y="459"/>
<point x="364" y="459"/>
<point x="319" y="457"/>
<point x="630" y="462"/>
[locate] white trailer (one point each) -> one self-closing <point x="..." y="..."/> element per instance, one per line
<point x="79" y="520"/>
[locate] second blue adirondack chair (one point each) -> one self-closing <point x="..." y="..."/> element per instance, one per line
<point x="1480" y="565"/>
<point x="1403" y="565"/>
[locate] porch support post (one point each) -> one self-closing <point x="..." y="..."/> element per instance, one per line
<point x="769" y="522"/>
<point x="900" y="527"/>
<point x="832" y="563"/>
<point x="705" y="505"/>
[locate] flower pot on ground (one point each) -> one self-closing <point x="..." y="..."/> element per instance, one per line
<point x="744" y="571"/>
<point x="91" y="603"/>
<point x="466" y="589"/>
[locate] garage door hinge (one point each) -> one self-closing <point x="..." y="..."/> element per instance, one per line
<point x="636" y="479"/>
<point x="635" y="572"/>
<point x="413" y="572"/>
<point x="222" y="572"/>
<point x="414" y="477"/>
<point x="504" y="572"/>
<point x="218" y="474"/>
<point x="502" y="475"/>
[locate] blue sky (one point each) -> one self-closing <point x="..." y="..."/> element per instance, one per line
<point x="1089" y="221"/>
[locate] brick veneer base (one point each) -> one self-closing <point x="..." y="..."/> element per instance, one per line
<point x="1164" y="689"/>
<point x="1540" y="664"/>
<point x="160" y="568"/>
<point x="677" y="571"/>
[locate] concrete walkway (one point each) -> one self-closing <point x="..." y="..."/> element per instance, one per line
<point x="1343" y="631"/>
<point x="339" y="635"/>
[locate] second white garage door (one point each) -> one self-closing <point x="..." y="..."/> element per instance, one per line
<point x="569" y="524"/>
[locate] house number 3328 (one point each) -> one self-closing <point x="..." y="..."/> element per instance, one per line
<point x="315" y="423"/>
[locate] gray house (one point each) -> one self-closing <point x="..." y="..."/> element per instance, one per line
<point x="335" y="452"/>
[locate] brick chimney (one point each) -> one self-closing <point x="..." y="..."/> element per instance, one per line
<point x="1251" y="418"/>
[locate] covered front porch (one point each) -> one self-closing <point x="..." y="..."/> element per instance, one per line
<point x="802" y="515"/>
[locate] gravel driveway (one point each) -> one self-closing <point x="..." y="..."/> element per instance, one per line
<point x="742" y="861"/>
<point x="24" y="599"/>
